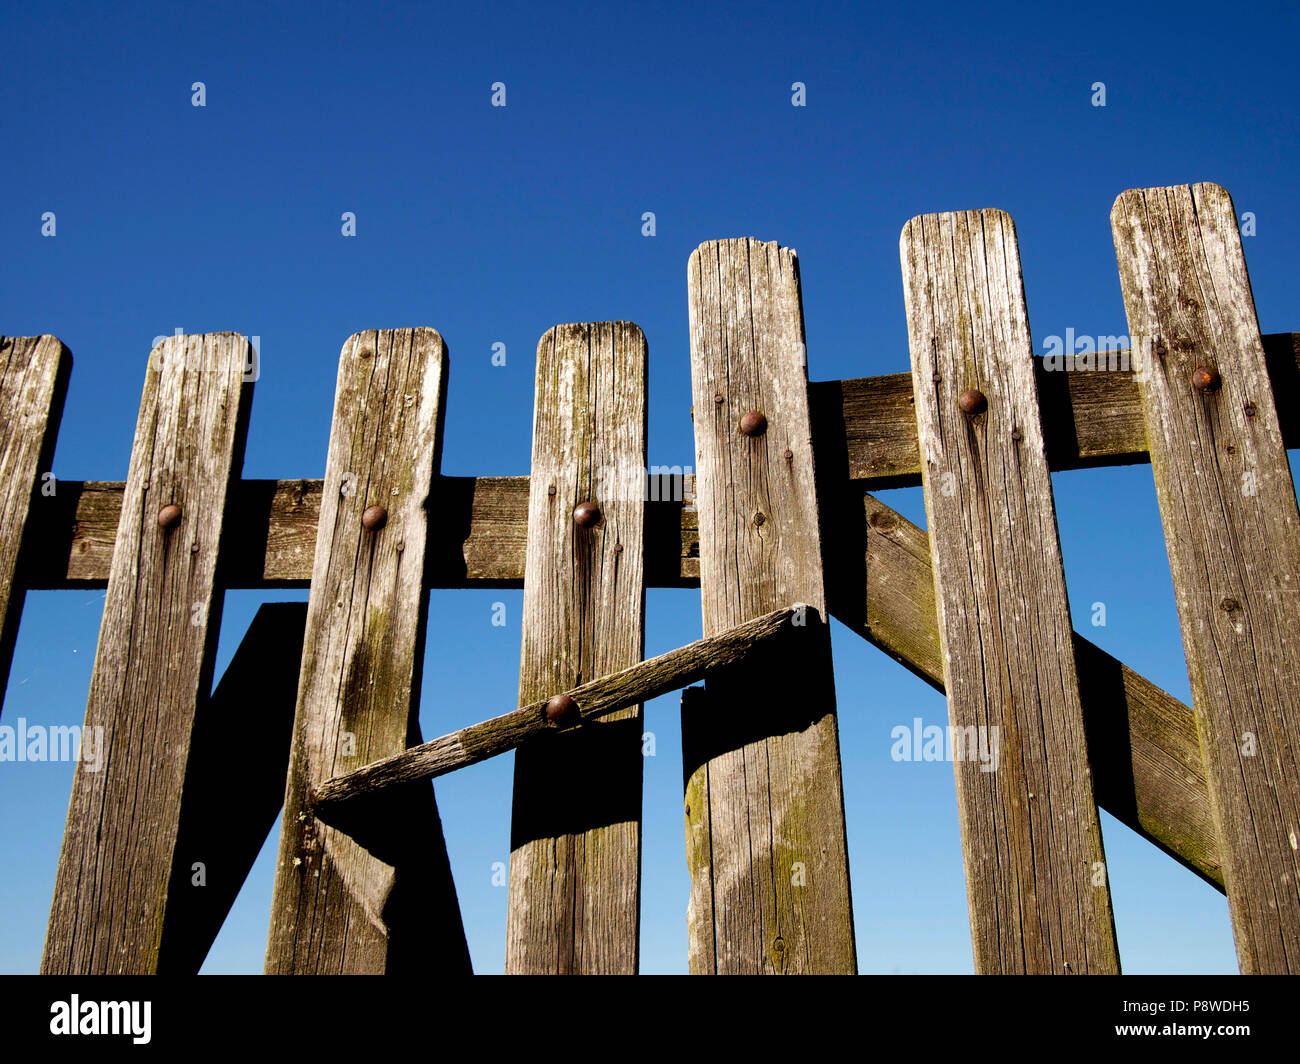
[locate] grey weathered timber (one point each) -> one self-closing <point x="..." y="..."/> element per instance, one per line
<point x="575" y="833"/>
<point x="771" y="892"/>
<point x="248" y="723"/>
<point x="154" y="663"/>
<point x="1089" y="419"/>
<point x="1146" y="760"/>
<point x="33" y="382"/>
<point x="1233" y="536"/>
<point x="1142" y="742"/>
<point x="1031" y="836"/>
<point x="593" y="700"/>
<point x="381" y="900"/>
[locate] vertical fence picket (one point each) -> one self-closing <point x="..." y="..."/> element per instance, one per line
<point x="154" y="664"/>
<point x="575" y="865"/>
<point x="763" y="783"/>
<point x="1232" y="531"/>
<point x="1035" y="873"/>
<point x="248" y="720"/>
<point x="380" y="898"/>
<point x="33" y="381"/>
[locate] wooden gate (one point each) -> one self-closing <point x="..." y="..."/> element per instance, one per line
<point x="778" y="531"/>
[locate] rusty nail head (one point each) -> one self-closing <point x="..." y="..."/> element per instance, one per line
<point x="1161" y="349"/>
<point x="719" y="399"/>
<point x="559" y="707"/>
<point x="374" y="518"/>
<point x="972" y="401"/>
<point x="550" y="490"/>
<point x="1206" y="379"/>
<point x="753" y="424"/>
<point x="1015" y="435"/>
<point x="618" y="548"/>
<point x="936" y="377"/>
<point x="586" y="514"/>
<point x="789" y="454"/>
<point x="1250" y="409"/>
<point x="169" y="516"/>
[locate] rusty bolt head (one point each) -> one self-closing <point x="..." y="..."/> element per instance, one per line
<point x="374" y="518"/>
<point x="559" y="708"/>
<point x="972" y="401"/>
<point x="753" y="424"/>
<point x="586" y="514"/>
<point x="1206" y="379"/>
<point x="169" y="516"/>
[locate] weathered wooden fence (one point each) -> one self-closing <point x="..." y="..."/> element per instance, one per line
<point x="782" y="534"/>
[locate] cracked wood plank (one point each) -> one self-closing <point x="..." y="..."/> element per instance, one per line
<point x="1232" y="531"/>
<point x="575" y="833"/>
<point x="153" y="668"/>
<point x="1031" y="836"/>
<point x="380" y="900"/>
<point x="770" y="893"/>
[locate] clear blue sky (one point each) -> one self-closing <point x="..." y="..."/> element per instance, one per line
<point x="492" y="224"/>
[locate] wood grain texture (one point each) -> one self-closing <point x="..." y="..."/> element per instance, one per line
<point x="380" y="900"/>
<point x="1232" y="531"/>
<point x="154" y="664"/>
<point x="770" y="894"/>
<point x="575" y="833"/>
<point x="593" y="700"/>
<point x="33" y="383"/>
<point x="223" y="821"/>
<point x="1031" y="837"/>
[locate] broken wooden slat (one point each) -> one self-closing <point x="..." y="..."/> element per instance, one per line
<point x="155" y="659"/>
<point x="1232" y="531"/>
<point x="575" y="836"/>
<point x="764" y="775"/>
<point x="382" y="902"/>
<point x="222" y="828"/>
<point x="33" y="383"/>
<point x="592" y="700"/>
<point x="1031" y="836"/>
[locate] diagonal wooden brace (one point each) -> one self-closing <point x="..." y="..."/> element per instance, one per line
<point x="590" y="701"/>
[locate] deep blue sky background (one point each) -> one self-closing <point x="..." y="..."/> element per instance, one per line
<point x="493" y="224"/>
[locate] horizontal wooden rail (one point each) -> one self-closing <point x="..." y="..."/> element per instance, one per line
<point x="1090" y="419"/>
<point x="589" y="701"/>
<point x="480" y="532"/>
